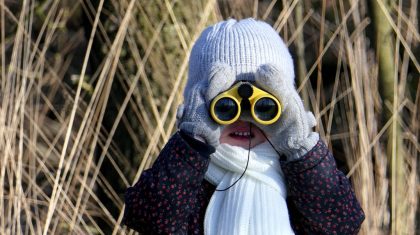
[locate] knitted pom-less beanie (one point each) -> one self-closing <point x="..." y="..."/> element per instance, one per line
<point x="243" y="45"/>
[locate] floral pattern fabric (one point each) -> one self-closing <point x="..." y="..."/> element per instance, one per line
<point x="172" y="196"/>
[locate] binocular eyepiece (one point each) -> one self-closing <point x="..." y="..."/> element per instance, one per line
<point x="226" y="108"/>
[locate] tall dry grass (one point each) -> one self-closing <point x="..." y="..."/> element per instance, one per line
<point x="84" y="110"/>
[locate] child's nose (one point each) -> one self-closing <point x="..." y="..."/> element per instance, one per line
<point x="246" y="116"/>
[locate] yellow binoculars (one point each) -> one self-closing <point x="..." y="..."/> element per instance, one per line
<point x="226" y="108"/>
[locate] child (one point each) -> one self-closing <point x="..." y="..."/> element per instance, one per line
<point x="231" y="178"/>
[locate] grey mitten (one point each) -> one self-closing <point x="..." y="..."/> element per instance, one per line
<point x="193" y="116"/>
<point x="292" y="134"/>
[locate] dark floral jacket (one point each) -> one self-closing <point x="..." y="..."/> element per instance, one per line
<point x="172" y="196"/>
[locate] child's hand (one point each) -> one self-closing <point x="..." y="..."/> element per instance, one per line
<point x="292" y="134"/>
<point x="193" y="116"/>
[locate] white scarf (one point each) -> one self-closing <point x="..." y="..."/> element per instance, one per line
<point x="256" y="203"/>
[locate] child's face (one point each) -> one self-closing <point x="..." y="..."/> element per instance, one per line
<point x="238" y="134"/>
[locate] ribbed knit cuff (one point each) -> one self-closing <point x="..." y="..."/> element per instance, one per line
<point x="202" y="148"/>
<point x="307" y="161"/>
<point x="201" y="130"/>
<point x="305" y="146"/>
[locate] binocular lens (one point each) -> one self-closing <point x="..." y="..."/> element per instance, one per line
<point x="225" y="109"/>
<point x="266" y="109"/>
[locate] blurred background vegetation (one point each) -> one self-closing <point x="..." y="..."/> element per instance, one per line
<point x="89" y="90"/>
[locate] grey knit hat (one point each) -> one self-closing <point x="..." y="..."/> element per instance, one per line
<point x="243" y="45"/>
<point x="225" y="53"/>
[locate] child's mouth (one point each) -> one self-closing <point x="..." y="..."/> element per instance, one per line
<point x="242" y="135"/>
